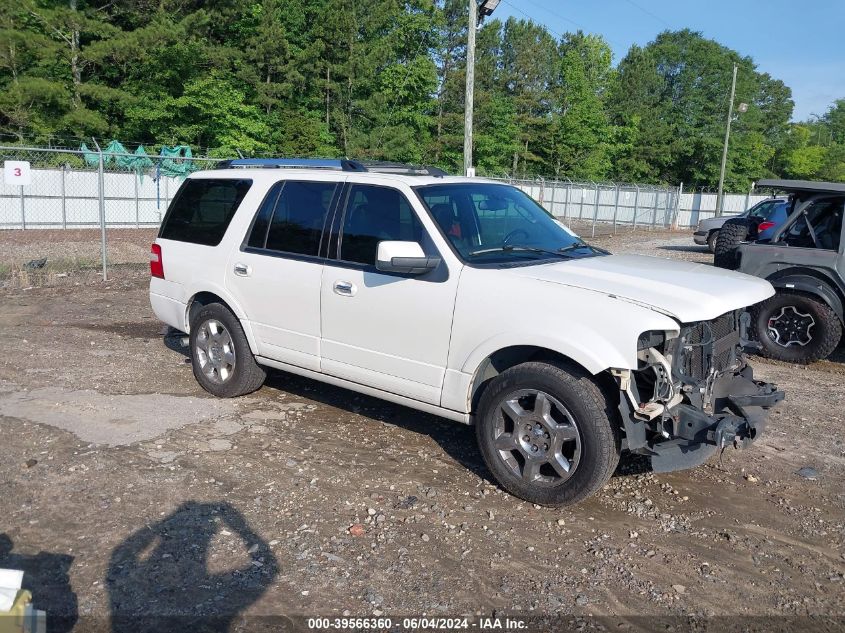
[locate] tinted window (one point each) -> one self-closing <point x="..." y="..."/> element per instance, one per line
<point x="202" y="209"/>
<point x="374" y="214"/>
<point x="299" y="216"/>
<point x="819" y="226"/>
<point x="258" y="234"/>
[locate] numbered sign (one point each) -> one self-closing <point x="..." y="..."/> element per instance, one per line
<point x="17" y="172"/>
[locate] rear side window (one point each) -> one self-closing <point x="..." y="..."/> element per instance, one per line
<point x="258" y="233"/>
<point x="298" y="217"/>
<point x="201" y="211"/>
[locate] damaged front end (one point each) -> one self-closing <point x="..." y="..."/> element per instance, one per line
<point x="693" y="394"/>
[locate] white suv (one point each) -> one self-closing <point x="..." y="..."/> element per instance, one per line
<point x="464" y="298"/>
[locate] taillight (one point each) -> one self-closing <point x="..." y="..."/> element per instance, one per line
<point x="765" y="226"/>
<point x="156" y="263"/>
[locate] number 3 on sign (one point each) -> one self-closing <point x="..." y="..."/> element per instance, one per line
<point x="17" y="172"/>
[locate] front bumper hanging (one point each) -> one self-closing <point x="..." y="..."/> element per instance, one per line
<point x="738" y="417"/>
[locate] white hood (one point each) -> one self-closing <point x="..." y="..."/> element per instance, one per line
<point x="685" y="290"/>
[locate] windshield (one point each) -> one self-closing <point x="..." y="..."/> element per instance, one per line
<point x="491" y="223"/>
<point x="765" y="209"/>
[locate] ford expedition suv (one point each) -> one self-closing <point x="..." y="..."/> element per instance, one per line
<point x="464" y="298"/>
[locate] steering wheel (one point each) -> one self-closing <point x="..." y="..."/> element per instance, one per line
<point x="513" y="234"/>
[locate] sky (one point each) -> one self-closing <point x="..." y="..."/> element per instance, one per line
<point x="802" y="43"/>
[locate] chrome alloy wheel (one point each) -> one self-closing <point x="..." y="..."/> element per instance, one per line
<point x="791" y="327"/>
<point x="215" y="351"/>
<point x="537" y="437"/>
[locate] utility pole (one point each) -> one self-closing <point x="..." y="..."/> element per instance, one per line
<point x="470" y="87"/>
<point x="719" y="196"/>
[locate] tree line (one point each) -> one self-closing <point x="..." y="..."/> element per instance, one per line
<point x="384" y="80"/>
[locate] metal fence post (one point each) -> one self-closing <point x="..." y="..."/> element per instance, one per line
<point x="102" y="195"/>
<point x="581" y="205"/>
<point x="595" y="210"/>
<point x="137" y="211"/>
<point x="566" y="200"/>
<point x="654" y="210"/>
<point x="615" y="209"/>
<point x="636" y="206"/>
<point x="23" y="211"/>
<point x="64" y="198"/>
<point x="552" y="202"/>
<point x="542" y="191"/>
<point x="677" y="214"/>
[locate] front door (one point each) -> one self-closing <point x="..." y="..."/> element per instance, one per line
<point x="276" y="274"/>
<point x="385" y="330"/>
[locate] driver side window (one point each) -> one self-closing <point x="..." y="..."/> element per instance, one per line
<point x="820" y="226"/>
<point x="375" y="214"/>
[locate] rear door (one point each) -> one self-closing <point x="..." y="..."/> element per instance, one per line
<point x="276" y="273"/>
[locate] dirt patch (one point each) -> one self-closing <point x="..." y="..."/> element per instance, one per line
<point x="113" y="420"/>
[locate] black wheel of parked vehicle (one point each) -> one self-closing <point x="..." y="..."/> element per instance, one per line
<point x="711" y="241"/>
<point x="732" y="233"/>
<point x="222" y="360"/>
<point x="795" y="328"/>
<point x="548" y="433"/>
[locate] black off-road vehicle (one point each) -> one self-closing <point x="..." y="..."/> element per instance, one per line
<point x="805" y="262"/>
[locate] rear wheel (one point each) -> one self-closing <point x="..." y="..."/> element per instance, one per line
<point x="222" y="360"/>
<point x="547" y="433"/>
<point x="729" y="237"/>
<point x="796" y="328"/>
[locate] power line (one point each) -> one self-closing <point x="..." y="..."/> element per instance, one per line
<point x="549" y="29"/>
<point x="561" y="17"/>
<point x="649" y="13"/>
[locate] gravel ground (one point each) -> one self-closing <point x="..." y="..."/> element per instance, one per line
<point x="124" y="488"/>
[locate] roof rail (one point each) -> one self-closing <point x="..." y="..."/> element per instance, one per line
<point x="340" y="164"/>
<point x="385" y="167"/>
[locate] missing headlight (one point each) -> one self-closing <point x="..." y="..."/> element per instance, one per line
<point x="655" y="339"/>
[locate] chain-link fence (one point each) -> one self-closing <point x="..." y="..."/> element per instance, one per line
<point x="604" y="207"/>
<point x="78" y="189"/>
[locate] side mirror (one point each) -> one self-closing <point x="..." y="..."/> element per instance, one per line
<point x="404" y="257"/>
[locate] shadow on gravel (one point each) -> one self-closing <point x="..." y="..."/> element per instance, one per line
<point x="46" y="578"/>
<point x="684" y="248"/>
<point x="159" y="577"/>
<point x="457" y="440"/>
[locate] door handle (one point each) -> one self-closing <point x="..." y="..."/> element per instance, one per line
<point x="345" y="288"/>
<point x="242" y="270"/>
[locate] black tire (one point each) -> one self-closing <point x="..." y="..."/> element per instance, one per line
<point x="711" y="241"/>
<point x="732" y="233"/>
<point x="788" y="313"/>
<point x="592" y="419"/>
<point x="245" y="375"/>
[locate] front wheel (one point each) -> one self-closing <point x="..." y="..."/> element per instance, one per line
<point x="711" y="241"/>
<point x="547" y="433"/>
<point x="796" y="328"/>
<point x="222" y="360"/>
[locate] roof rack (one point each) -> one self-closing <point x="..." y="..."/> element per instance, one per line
<point x="339" y="164"/>
<point x="385" y="167"/>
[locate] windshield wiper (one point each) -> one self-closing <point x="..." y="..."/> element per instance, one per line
<point x="506" y="248"/>
<point x="577" y="245"/>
